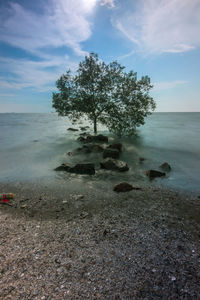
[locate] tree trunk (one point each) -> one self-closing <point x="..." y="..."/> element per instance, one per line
<point x="95" y="125"/>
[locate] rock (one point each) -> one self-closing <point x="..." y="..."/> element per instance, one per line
<point x="165" y="167"/>
<point x="115" y="146"/>
<point x="81" y="139"/>
<point x="123" y="187"/>
<point x="141" y="159"/>
<point x="63" y="167"/>
<point x="97" y="148"/>
<point x="85" y="168"/>
<point x="100" y="138"/>
<point x="153" y="174"/>
<point x="114" y="164"/>
<point x="84" y="128"/>
<point x="92" y="138"/>
<point x="84" y="149"/>
<point x="77" y="197"/>
<point x="72" y="129"/>
<point x="113" y="153"/>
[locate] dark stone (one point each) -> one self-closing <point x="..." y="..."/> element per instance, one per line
<point x="97" y="148"/>
<point x="165" y="167"/>
<point x="141" y="159"/>
<point x="92" y="138"/>
<point x="63" y="167"/>
<point x="123" y="187"/>
<point x="113" y="153"/>
<point x="85" y="168"/>
<point x="84" y="128"/>
<point x="116" y="146"/>
<point x="72" y="129"/>
<point x="100" y="138"/>
<point x="81" y="139"/>
<point x="115" y="165"/>
<point x="153" y="174"/>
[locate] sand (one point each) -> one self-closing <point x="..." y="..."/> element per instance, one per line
<point x="143" y="244"/>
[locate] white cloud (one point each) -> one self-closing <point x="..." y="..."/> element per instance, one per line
<point x="158" y="26"/>
<point x="110" y="3"/>
<point x="35" y="74"/>
<point x="165" y="85"/>
<point x="64" y="23"/>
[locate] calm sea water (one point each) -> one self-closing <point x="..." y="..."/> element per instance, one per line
<point x="32" y="145"/>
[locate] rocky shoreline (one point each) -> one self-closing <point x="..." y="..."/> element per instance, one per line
<point x="143" y="244"/>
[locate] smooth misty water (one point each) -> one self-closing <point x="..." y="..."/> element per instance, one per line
<point x="32" y="145"/>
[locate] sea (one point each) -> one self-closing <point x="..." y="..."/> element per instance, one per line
<point x="32" y="145"/>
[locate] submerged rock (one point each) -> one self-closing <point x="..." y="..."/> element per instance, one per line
<point x="84" y="128"/>
<point x="93" y="138"/>
<point x="85" y="168"/>
<point x="154" y="173"/>
<point x="141" y="159"/>
<point x="117" y="146"/>
<point x="63" y="167"/>
<point x="72" y="129"/>
<point x="165" y="167"/>
<point x="114" y="164"/>
<point x="123" y="187"/>
<point x="113" y="153"/>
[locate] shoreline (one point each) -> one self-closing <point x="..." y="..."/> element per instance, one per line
<point x="135" y="245"/>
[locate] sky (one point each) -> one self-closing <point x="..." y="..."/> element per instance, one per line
<point x="41" y="39"/>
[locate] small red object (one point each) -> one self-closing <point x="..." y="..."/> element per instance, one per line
<point x="4" y="200"/>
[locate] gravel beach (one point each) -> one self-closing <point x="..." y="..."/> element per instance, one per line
<point x="143" y="244"/>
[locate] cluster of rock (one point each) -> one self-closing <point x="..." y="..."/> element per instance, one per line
<point x="96" y="143"/>
<point x="110" y="154"/>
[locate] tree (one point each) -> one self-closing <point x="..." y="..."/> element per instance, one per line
<point x="105" y="94"/>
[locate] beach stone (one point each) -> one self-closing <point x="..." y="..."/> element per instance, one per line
<point x="85" y="168"/>
<point x="117" y="146"/>
<point x="123" y="187"/>
<point x="165" y="167"/>
<point x="114" y="164"/>
<point x="154" y="173"/>
<point x="63" y="167"/>
<point x="72" y="129"/>
<point x="113" y="153"/>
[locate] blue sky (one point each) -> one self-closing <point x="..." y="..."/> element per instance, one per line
<point x="41" y="39"/>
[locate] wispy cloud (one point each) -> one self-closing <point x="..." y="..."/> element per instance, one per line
<point x="35" y="74"/>
<point x="161" y="26"/>
<point x="110" y="3"/>
<point x="64" y="23"/>
<point x="165" y="85"/>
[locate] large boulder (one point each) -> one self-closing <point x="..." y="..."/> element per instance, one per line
<point x="165" y="167"/>
<point x="117" y="146"/>
<point x="123" y="187"/>
<point x="85" y="168"/>
<point x="113" y="153"/>
<point x="114" y="164"/>
<point x="154" y="173"/>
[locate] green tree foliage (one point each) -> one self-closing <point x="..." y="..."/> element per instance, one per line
<point x="105" y="94"/>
